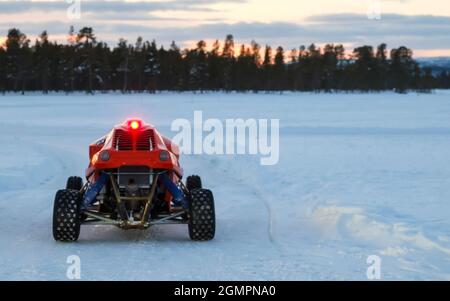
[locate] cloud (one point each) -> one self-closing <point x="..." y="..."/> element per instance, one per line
<point x="21" y="6"/>
<point x="417" y="32"/>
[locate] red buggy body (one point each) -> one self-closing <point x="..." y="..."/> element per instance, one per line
<point x="134" y="181"/>
<point x="140" y="145"/>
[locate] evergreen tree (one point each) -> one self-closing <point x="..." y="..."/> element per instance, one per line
<point x="382" y="67"/>
<point x="401" y="68"/>
<point x="139" y="58"/>
<point x="85" y="42"/>
<point x="25" y="73"/>
<point x="279" y="71"/>
<point x="124" y="68"/>
<point x="102" y="69"/>
<point x="198" y="67"/>
<point x="255" y="66"/>
<point x="330" y="64"/>
<point x="298" y="70"/>
<point x="244" y="69"/>
<point x="152" y="67"/>
<point x="267" y="69"/>
<point x="228" y="61"/>
<point x="340" y="62"/>
<point x="365" y="68"/>
<point x="16" y="46"/>
<point x="85" y="64"/>
<point x="43" y="60"/>
<point x="443" y="80"/>
<point x="66" y="72"/>
<point x="215" y="74"/>
<point x="2" y="69"/>
<point x="314" y="67"/>
<point x="171" y="68"/>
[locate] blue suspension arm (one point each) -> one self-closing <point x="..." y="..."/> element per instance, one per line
<point x="91" y="193"/>
<point x="179" y="199"/>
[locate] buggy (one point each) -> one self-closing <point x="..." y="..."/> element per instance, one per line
<point x="133" y="181"/>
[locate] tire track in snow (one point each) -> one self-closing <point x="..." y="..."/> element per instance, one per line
<point x="231" y="173"/>
<point x="32" y="202"/>
<point x="270" y="213"/>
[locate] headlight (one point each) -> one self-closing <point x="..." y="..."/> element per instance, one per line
<point x="164" y="156"/>
<point x="104" y="155"/>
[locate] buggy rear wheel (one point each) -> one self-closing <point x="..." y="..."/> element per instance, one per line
<point x="193" y="182"/>
<point x="75" y="183"/>
<point x="202" y="220"/>
<point x="66" y="215"/>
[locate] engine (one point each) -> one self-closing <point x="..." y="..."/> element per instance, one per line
<point x="134" y="182"/>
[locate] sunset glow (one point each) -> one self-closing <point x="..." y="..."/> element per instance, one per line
<point x="289" y="23"/>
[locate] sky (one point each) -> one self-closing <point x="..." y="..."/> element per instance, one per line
<point x="423" y="25"/>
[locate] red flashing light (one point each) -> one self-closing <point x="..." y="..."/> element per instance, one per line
<point x="135" y="125"/>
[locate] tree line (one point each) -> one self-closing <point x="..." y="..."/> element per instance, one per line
<point x="86" y="64"/>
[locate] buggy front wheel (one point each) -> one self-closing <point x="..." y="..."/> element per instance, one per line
<point x="66" y="215"/>
<point x="75" y="183"/>
<point x="202" y="219"/>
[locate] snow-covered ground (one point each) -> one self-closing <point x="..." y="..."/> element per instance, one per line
<point x="358" y="175"/>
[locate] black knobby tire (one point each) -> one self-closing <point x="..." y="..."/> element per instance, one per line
<point x="202" y="219"/>
<point x="66" y="215"/>
<point x="194" y="182"/>
<point x="75" y="183"/>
